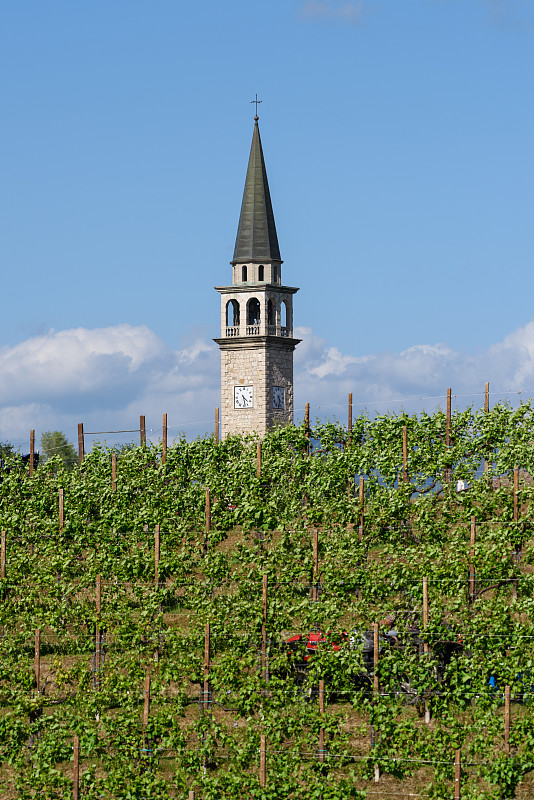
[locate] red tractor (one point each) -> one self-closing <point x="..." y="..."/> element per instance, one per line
<point x="302" y="647"/>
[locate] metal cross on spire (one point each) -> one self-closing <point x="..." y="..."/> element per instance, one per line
<point x="256" y="101"/>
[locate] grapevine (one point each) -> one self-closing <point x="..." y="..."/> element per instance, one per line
<point x="71" y="669"/>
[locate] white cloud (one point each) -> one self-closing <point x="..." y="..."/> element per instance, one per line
<point x="413" y="379"/>
<point x="107" y="377"/>
<point x="76" y="363"/>
<point x="350" y="12"/>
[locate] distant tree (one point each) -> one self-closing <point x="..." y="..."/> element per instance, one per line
<point x="6" y="449"/>
<point x="55" y="443"/>
<point x="124" y="447"/>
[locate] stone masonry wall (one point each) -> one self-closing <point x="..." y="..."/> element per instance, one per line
<point x="262" y="367"/>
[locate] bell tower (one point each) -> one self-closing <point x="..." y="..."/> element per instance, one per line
<point x="256" y="341"/>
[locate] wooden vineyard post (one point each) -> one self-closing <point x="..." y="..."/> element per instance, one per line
<point x="208" y="520"/>
<point x="263" y="761"/>
<point x="216" y="436"/>
<point x="37" y="660"/>
<point x="516" y="494"/>
<point x="448" y="431"/>
<point x="61" y="508"/>
<point x="3" y="555"/>
<point x="471" y="588"/>
<point x="206" y="689"/>
<point x="376" y="685"/>
<point x="258" y="460"/>
<point x="457" y="774"/>
<point x="507" y="720"/>
<point x="264" y="668"/>
<point x="146" y="706"/>
<point x="164" y="441"/>
<point x="349" y="422"/>
<point x="376" y="769"/>
<point x="98" y="595"/>
<point x="307" y="427"/>
<point x="142" y="430"/>
<point x="350" y="482"/>
<point x="114" y="472"/>
<point x="448" y="423"/>
<point x="405" y="454"/>
<point x="376" y="689"/>
<point x="362" y="498"/>
<point x="156" y="575"/>
<point x="76" y="768"/>
<point x="486" y="410"/>
<point x="517" y="552"/>
<point x="321" y="750"/>
<point x="205" y="698"/>
<point x="426" y="647"/>
<point x="191" y="795"/>
<point x="32" y="451"/>
<point x="81" y="444"/>
<point x="425" y="603"/>
<point x="98" y="654"/>
<point x="208" y="511"/>
<point x="315" y="588"/>
<point x="156" y="556"/>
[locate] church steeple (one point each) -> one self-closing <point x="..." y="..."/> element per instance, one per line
<point x="256" y="339"/>
<point x="256" y="240"/>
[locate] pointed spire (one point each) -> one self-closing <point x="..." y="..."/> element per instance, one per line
<point x="256" y="233"/>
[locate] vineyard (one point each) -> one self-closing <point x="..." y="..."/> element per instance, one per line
<point x="329" y="613"/>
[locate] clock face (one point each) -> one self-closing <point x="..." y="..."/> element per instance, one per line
<point x="279" y="396"/>
<point x="243" y="396"/>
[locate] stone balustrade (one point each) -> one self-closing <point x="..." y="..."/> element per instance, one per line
<point x="255" y="330"/>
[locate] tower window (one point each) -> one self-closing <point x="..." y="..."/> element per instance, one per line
<point x="275" y="273"/>
<point x="270" y="313"/>
<point x="244" y="273"/>
<point x="284" y="315"/>
<point x="253" y="312"/>
<point x="232" y="314"/>
<point x="260" y="272"/>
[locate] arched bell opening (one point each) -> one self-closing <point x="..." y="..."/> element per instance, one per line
<point x="244" y="273"/>
<point x="284" y="318"/>
<point x="271" y="313"/>
<point x="232" y="314"/>
<point x="253" y="317"/>
<point x="253" y="311"/>
<point x="232" y="318"/>
<point x="261" y="272"/>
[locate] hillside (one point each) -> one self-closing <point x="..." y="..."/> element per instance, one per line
<point x="146" y="611"/>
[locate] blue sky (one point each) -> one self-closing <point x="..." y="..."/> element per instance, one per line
<point x="398" y="142"/>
